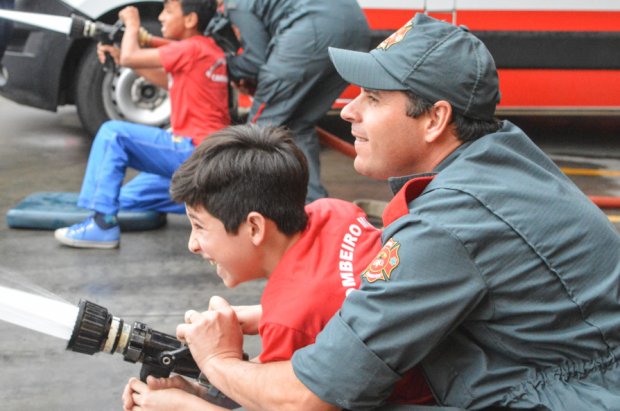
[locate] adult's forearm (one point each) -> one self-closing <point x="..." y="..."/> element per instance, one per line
<point x="215" y="340"/>
<point x="241" y="67"/>
<point x="254" y="41"/>
<point x="271" y="386"/>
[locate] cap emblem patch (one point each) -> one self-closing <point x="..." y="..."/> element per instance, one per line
<point x="384" y="263"/>
<point x="396" y="37"/>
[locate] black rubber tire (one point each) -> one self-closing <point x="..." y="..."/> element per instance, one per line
<point x="88" y="98"/>
<point x="91" y="107"/>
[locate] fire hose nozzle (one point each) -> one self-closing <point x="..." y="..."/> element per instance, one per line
<point x="91" y="328"/>
<point x="97" y="330"/>
<point x="105" y="33"/>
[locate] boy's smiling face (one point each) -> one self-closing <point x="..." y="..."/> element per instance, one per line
<point x="233" y="254"/>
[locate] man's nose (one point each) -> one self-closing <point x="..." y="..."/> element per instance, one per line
<point x="348" y="112"/>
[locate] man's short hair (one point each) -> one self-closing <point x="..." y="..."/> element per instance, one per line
<point x="466" y="128"/>
<point x="246" y="168"/>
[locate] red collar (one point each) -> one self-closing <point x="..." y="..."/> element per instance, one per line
<point x="399" y="206"/>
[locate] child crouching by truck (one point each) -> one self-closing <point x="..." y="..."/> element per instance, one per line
<point x="193" y="70"/>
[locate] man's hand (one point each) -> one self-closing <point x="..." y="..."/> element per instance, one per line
<point x="130" y="16"/>
<point x="213" y="334"/>
<point x="113" y="51"/>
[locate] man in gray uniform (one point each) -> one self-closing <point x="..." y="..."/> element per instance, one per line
<point x="285" y="53"/>
<point x="498" y="276"/>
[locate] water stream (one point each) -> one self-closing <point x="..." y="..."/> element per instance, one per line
<point x="37" y="309"/>
<point x="41" y="314"/>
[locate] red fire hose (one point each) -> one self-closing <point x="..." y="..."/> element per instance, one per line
<point x="330" y="140"/>
<point x="605" y="202"/>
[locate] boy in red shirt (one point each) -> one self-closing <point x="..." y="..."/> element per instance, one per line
<point x="193" y="70"/>
<point x="244" y="190"/>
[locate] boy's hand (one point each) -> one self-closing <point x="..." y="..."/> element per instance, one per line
<point x="248" y="316"/>
<point x="173" y="382"/>
<point x="215" y="333"/>
<point x="113" y="51"/>
<point x="159" y="394"/>
<point x="130" y="16"/>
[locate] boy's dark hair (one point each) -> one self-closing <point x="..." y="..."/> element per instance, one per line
<point x="246" y="168"/>
<point x="467" y="129"/>
<point x="204" y="9"/>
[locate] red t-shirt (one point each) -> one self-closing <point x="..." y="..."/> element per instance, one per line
<point x="312" y="280"/>
<point x="198" y="86"/>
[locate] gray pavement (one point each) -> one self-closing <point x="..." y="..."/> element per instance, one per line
<point x="152" y="277"/>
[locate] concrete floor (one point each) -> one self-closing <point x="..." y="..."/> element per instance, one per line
<point x="152" y="277"/>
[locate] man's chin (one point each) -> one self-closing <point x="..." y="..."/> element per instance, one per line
<point x="361" y="168"/>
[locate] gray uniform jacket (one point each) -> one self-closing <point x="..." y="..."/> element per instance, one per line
<point x="285" y="49"/>
<point x="504" y="288"/>
<point x="306" y="27"/>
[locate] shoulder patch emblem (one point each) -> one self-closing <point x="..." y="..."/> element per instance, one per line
<point x="396" y="37"/>
<point x="384" y="263"/>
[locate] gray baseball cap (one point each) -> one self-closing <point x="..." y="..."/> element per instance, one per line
<point x="431" y="58"/>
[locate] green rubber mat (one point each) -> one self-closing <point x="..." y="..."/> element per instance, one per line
<point x="52" y="210"/>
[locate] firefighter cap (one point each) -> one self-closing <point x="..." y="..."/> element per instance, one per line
<point x="431" y="58"/>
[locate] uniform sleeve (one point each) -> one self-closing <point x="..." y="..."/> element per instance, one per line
<point x="254" y="41"/>
<point x="428" y="287"/>
<point x="176" y="56"/>
<point x="280" y="342"/>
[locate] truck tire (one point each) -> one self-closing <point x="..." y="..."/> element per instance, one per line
<point x="117" y="94"/>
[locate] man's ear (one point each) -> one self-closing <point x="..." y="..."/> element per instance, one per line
<point x="439" y="119"/>
<point x="191" y="20"/>
<point x="256" y="224"/>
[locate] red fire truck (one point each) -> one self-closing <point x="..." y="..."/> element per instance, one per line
<point x="554" y="56"/>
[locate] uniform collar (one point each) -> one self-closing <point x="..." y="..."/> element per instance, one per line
<point x="397" y="183"/>
<point x="399" y="206"/>
<point x="407" y="188"/>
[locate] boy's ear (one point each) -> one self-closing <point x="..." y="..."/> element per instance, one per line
<point x="256" y="225"/>
<point x="191" y="20"/>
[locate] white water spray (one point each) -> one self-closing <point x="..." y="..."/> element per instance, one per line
<point x="52" y="317"/>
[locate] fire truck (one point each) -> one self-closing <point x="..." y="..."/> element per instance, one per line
<point x="553" y="56"/>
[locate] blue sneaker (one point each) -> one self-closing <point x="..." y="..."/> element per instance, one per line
<point x="88" y="234"/>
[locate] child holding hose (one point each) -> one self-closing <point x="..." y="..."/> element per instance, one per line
<point x="244" y="189"/>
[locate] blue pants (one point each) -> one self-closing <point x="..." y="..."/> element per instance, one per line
<point x="151" y="150"/>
